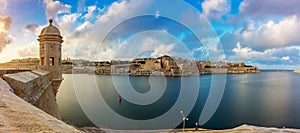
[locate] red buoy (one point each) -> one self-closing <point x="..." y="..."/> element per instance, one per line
<point x="119" y="98"/>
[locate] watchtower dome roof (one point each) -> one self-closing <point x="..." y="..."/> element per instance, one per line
<point x="50" y="30"/>
<point x="50" y="33"/>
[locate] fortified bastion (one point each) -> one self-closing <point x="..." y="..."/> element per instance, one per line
<point x="39" y="87"/>
<point x="20" y="89"/>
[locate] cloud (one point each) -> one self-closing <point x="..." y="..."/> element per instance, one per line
<point x="215" y="8"/>
<point x="53" y="8"/>
<point x="30" y="50"/>
<point x="90" y="12"/>
<point x="145" y="44"/>
<point x="83" y="26"/>
<point x="88" y="35"/>
<point x="123" y="9"/>
<point x="158" y="47"/>
<point x="289" y="55"/>
<point x="3" y="5"/>
<point x="267" y="35"/>
<point x="83" y="37"/>
<point x="5" y="23"/>
<point x="261" y="9"/>
<point x="66" y="24"/>
<point x="34" y="28"/>
<point x="285" y="58"/>
<point x="5" y="38"/>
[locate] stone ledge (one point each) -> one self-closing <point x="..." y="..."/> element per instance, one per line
<point x="16" y="115"/>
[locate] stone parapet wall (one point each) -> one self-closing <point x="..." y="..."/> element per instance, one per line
<point x="18" y="116"/>
<point x="11" y="71"/>
<point x="36" y="88"/>
<point x="28" y="85"/>
<point x="23" y="84"/>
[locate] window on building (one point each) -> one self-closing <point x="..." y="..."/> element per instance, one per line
<point x="59" y="61"/>
<point x="51" y="61"/>
<point x="42" y="61"/>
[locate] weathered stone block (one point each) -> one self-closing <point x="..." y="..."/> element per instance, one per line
<point x="24" y="84"/>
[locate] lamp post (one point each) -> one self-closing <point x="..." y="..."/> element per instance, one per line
<point x="183" y="120"/>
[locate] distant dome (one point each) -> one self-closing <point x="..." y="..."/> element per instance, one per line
<point x="50" y="30"/>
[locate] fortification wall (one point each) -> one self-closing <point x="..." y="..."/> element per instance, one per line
<point x="47" y="103"/>
<point x="17" y="115"/>
<point x="36" y="88"/>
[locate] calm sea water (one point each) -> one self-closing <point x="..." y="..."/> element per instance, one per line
<point x="262" y="99"/>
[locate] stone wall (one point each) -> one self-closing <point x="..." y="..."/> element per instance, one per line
<point x="47" y="103"/>
<point x="18" y="116"/>
<point x="36" y="88"/>
<point x="24" y="84"/>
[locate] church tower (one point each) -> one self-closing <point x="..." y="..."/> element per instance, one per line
<point x="50" y="54"/>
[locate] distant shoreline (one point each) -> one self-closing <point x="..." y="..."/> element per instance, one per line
<point x="274" y="70"/>
<point x="164" y="65"/>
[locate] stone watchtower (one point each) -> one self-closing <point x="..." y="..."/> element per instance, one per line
<point x="50" y="54"/>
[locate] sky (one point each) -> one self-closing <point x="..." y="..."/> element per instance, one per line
<point x="260" y="33"/>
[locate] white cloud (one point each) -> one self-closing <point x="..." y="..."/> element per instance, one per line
<point x="53" y="8"/>
<point x="199" y="49"/>
<point x="34" y="28"/>
<point x="66" y="24"/>
<point x="266" y="35"/>
<point x="30" y="50"/>
<point x="158" y="47"/>
<point x="284" y="55"/>
<point x="162" y="50"/>
<point x="285" y="58"/>
<point x="246" y="53"/>
<point x="261" y="9"/>
<point x="83" y="26"/>
<point x="83" y="37"/>
<point x="90" y="12"/>
<point x="215" y="8"/>
<point x="5" y="37"/>
<point x="88" y="36"/>
<point x="122" y="9"/>
<point x="274" y="34"/>
<point x="3" y="5"/>
<point x="114" y="11"/>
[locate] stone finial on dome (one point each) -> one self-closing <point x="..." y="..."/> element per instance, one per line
<point x="50" y="21"/>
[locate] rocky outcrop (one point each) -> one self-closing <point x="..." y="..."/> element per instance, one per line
<point x="17" y="115"/>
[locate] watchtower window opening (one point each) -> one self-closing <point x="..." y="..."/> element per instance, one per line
<point x="51" y="61"/>
<point x="42" y="61"/>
